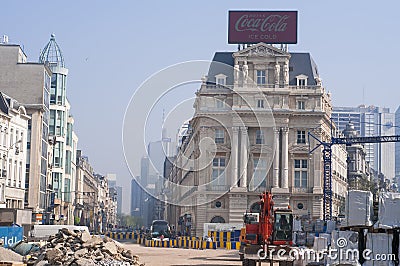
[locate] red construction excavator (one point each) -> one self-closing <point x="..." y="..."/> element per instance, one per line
<point x="265" y="232"/>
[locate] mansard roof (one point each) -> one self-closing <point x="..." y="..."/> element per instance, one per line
<point x="299" y="63"/>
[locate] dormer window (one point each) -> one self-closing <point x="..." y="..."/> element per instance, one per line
<point x="302" y="80"/>
<point x="220" y="79"/>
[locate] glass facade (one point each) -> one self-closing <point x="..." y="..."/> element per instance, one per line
<point x="58" y="86"/>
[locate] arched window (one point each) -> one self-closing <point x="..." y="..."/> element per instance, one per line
<point x="218" y="219"/>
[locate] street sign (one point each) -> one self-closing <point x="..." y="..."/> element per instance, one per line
<point x="11" y="235"/>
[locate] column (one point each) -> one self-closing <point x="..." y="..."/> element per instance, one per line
<point x="244" y="159"/>
<point x="245" y="72"/>
<point x="285" y="157"/>
<point x="275" y="180"/>
<point x="234" y="156"/>
<point x="286" y="74"/>
<point x="277" y="74"/>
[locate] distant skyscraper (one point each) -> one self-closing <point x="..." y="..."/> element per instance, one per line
<point x="397" y="145"/>
<point x="371" y="121"/>
<point x="119" y="199"/>
<point x="136" y="198"/>
<point x="112" y="180"/>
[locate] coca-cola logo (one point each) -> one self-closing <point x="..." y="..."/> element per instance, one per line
<point x="271" y="23"/>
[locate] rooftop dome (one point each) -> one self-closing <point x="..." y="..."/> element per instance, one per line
<point x="52" y="53"/>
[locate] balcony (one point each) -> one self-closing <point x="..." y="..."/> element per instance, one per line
<point x="300" y="190"/>
<point x="211" y="187"/>
<point x="308" y="87"/>
<point x="259" y="189"/>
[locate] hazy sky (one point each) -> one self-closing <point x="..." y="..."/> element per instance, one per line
<point x="111" y="47"/>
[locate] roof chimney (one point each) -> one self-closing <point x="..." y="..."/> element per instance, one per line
<point x="4" y="39"/>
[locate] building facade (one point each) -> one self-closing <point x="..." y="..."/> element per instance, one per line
<point x="86" y="194"/>
<point x="358" y="168"/>
<point x="29" y="83"/>
<point x="258" y="107"/>
<point x="13" y="140"/>
<point x="371" y="121"/>
<point x="397" y="148"/>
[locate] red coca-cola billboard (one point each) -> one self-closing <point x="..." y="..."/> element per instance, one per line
<point x="262" y="26"/>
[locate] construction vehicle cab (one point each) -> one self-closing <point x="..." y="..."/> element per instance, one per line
<point x="282" y="233"/>
<point x="271" y="228"/>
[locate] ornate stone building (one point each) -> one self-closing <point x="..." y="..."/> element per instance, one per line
<point x="249" y="134"/>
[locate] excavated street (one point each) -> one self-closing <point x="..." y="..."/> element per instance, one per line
<point x="155" y="256"/>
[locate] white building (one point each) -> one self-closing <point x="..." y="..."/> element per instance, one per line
<point x="13" y="141"/>
<point x="258" y="109"/>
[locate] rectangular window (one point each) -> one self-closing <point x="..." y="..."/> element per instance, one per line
<point x="219" y="104"/>
<point x="60" y="123"/>
<point x="218" y="171"/>
<point x="20" y="175"/>
<point x="11" y="138"/>
<point x="259" y="137"/>
<point x="302" y="82"/>
<point x="260" y="77"/>
<point x="67" y="190"/>
<point x="260" y="103"/>
<point x="9" y="176"/>
<point x="301" y="105"/>
<point x="14" y="182"/>
<point x="68" y="159"/>
<point x="53" y="88"/>
<point x="52" y="122"/>
<point x="300" y="173"/>
<point x="219" y="136"/>
<point x="259" y="174"/>
<point x="301" y="137"/>
<point x="57" y="178"/>
<point x="58" y="154"/>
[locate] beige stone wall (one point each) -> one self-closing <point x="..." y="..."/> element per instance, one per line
<point x="280" y="149"/>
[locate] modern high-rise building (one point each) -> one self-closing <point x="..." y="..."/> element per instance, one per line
<point x="397" y="147"/>
<point x="136" y="198"/>
<point x="371" y="121"/>
<point x="257" y="105"/>
<point x="29" y="83"/>
<point x="61" y="131"/>
<point x="119" y="199"/>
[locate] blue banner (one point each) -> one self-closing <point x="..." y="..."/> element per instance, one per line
<point x="11" y="235"/>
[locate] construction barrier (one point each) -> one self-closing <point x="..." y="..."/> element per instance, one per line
<point x="227" y="240"/>
<point x="181" y="243"/>
<point x="123" y="235"/>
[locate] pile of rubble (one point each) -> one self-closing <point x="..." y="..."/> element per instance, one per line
<point x="77" y="248"/>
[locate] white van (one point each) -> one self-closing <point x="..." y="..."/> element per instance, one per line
<point x="43" y="231"/>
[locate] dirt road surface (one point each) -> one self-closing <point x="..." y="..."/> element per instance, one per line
<point x="154" y="256"/>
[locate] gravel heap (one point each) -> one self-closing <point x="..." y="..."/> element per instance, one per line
<point x="9" y="255"/>
<point x="77" y="248"/>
